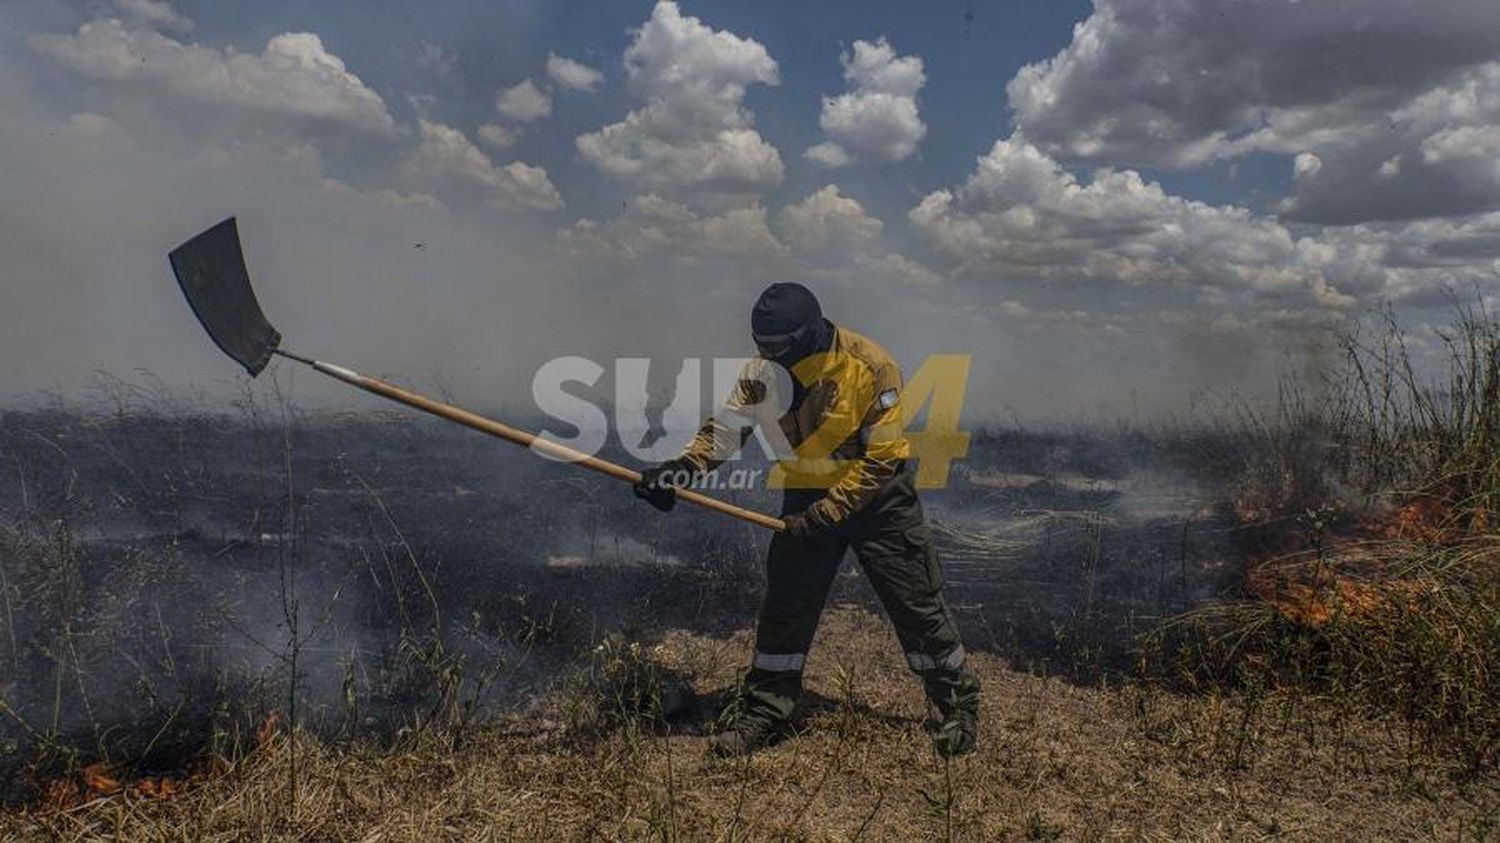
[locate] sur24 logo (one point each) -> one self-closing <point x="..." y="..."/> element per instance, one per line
<point x="938" y="386"/>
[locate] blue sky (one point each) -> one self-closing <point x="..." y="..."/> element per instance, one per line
<point x="969" y="54"/>
<point x="1108" y="203"/>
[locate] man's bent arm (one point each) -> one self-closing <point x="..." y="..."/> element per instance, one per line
<point x="726" y="432"/>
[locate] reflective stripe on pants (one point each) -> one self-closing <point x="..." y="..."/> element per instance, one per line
<point x="779" y="661"/>
<point x="921" y="661"/>
<point x="893" y="543"/>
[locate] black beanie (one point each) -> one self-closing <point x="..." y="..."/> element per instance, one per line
<point x="784" y="308"/>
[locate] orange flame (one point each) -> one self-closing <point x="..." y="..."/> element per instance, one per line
<point x="268" y="728"/>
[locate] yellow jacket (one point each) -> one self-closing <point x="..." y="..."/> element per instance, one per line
<point x="844" y="434"/>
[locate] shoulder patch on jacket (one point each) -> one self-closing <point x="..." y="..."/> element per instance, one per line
<point x="887" y="399"/>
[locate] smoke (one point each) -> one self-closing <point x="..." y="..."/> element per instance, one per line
<point x="458" y="296"/>
<point x="171" y="574"/>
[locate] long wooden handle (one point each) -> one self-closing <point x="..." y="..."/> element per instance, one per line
<point x="531" y="440"/>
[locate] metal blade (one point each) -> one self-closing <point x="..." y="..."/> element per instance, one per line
<point x="210" y="268"/>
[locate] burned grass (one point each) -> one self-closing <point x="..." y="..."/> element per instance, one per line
<point x="279" y="627"/>
<point x="1058" y="761"/>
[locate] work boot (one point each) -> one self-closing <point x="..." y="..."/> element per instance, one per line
<point x="956" y="734"/>
<point x="745" y="737"/>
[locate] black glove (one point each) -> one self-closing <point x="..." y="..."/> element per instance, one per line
<point x="655" y="485"/>
<point x="802" y="525"/>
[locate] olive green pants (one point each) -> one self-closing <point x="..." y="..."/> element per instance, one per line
<point x="893" y="544"/>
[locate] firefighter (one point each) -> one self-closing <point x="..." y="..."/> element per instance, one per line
<point x="833" y="396"/>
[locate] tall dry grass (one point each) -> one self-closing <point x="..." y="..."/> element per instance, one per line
<point x="1374" y="570"/>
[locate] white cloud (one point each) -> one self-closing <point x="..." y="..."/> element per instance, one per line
<point x="294" y="76"/>
<point x="654" y="226"/>
<point x="1434" y="156"/>
<point x="828" y="223"/>
<point x="155" y="13"/>
<point x="897" y="267"/>
<point x="524" y="102"/>
<point x="1471" y="244"/>
<point x="573" y="75"/>
<point x="446" y="157"/>
<point x="1164" y="82"/>
<point x="100" y="214"/>
<point x="1394" y="99"/>
<point x="826" y="237"/>
<point x="877" y="120"/>
<point x="1034" y="318"/>
<point x="832" y="236"/>
<point x="1476" y="143"/>
<point x="693" y="132"/>
<point x="829" y="155"/>
<point x="382" y="199"/>
<point x="1306" y="164"/>
<point x="498" y="137"/>
<point x="1021" y="216"/>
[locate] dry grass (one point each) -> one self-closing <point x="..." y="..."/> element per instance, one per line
<point x="1372" y="566"/>
<point x="1376" y="625"/>
<point x="1058" y="761"/>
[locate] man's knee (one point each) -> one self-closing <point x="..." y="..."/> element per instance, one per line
<point x="948" y="658"/>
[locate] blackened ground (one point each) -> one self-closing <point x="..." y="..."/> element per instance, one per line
<point x="165" y="576"/>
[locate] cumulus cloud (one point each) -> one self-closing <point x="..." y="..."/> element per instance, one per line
<point x="1424" y="260"/>
<point x="498" y="137"/>
<point x="315" y="240"/>
<point x="1372" y="89"/>
<point x="1306" y="165"/>
<point x="654" y="226"/>
<point x="573" y="75"/>
<point x="693" y="131"/>
<point x="294" y="76"/>
<point x="155" y="13"/>
<point x="833" y="237"/>
<point x="330" y="246"/>
<point x="1171" y="83"/>
<point x="379" y="199"/>
<point x="826" y="234"/>
<point x="1435" y="155"/>
<point x="1033" y="320"/>
<point x="1021" y="215"/>
<point x="446" y="156"/>
<point x="826" y="237"/>
<point x="524" y="102"/>
<point x="829" y="223"/>
<point x="905" y="270"/>
<point x="877" y="119"/>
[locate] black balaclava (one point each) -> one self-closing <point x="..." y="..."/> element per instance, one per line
<point x="788" y="325"/>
